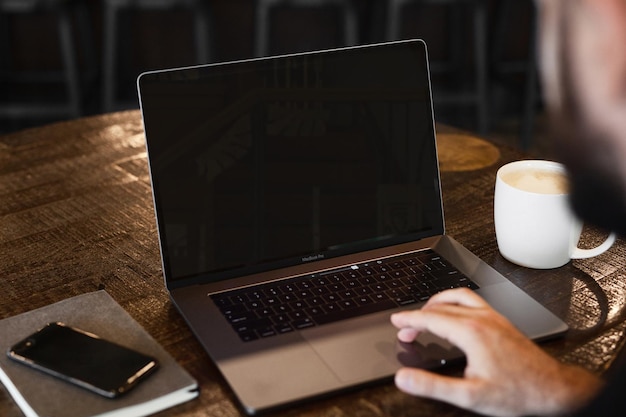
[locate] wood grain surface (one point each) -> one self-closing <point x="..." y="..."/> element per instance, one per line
<point x="76" y="215"/>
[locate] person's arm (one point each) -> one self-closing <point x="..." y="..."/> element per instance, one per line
<point x="506" y="373"/>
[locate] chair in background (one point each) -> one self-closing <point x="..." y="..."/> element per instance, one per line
<point x="65" y="13"/>
<point x="526" y="67"/>
<point x="459" y="42"/>
<point x="113" y="34"/>
<point x="263" y="17"/>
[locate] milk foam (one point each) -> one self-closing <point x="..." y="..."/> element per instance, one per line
<point x="537" y="181"/>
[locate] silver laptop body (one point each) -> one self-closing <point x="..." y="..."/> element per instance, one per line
<point x="279" y="168"/>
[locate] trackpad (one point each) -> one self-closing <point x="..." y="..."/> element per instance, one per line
<point x="368" y="349"/>
<point x="428" y="351"/>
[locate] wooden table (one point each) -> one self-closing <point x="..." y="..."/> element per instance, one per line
<point x="76" y="215"/>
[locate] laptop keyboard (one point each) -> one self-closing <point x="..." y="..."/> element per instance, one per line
<point x="313" y="300"/>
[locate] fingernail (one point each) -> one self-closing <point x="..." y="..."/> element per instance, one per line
<point x="401" y="379"/>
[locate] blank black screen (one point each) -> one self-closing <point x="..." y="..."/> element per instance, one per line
<point x="73" y="354"/>
<point x="269" y="162"/>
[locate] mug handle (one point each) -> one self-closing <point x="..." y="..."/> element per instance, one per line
<point x="588" y="253"/>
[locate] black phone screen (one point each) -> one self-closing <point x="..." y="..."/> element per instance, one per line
<point x="84" y="359"/>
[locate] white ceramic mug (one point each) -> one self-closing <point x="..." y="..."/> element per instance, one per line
<point x="535" y="226"/>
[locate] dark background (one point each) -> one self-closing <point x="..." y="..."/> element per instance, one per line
<point x="151" y="39"/>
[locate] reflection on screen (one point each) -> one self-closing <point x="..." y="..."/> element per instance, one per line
<point x="291" y="159"/>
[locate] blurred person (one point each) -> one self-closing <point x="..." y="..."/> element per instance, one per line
<point x="583" y="70"/>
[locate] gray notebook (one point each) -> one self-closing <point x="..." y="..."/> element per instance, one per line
<point x="38" y="394"/>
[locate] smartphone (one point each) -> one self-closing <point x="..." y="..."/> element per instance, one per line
<point x="83" y="359"/>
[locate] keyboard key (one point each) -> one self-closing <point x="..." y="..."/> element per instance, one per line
<point x="252" y="325"/>
<point x="314" y="311"/>
<point x="361" y="300"/>
<point x="287" y="297"/>
<point x="298" y="305"/>
<point x="280" y="319"/>
<point x="282" y="308"/>
<point x="283" y="328"/>
<point x="253" y="305"/>
<point x="254" y="295"/>
<point x="297" y="315"/>
<point x="317" y="291"/>
<point x="303" y="323"/>
<point x="304" y="285"/>
<point x="379" y="287"/>
<point x="287" y="288"/>
<point x="248" y="336"/>
<point x="406" y="300"/>
<point x="266" y="332"/>
<point x="221" y="301"/>
<point x="329" y="308"/>
<point x="240" y="318"/>
<point x="331" y="298"/>
<point x="347" y="304"/>
<point x="272" y="291"/>
<point x="234" y="309"/>
<point x="396" y="265"/>
<point x="352" y="283"/>
<point x="335" y="287"/>
<point x="363" y="290"/>
<point x="367" y="280"/>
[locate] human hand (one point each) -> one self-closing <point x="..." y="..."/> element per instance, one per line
<point x="506" y="373"/>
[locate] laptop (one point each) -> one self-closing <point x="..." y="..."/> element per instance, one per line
<point x="298" y="203"/>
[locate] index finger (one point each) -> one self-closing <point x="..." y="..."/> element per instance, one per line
<point x="459" y="296"/>
<point x="439" y="320"/>
<point x="449" y="315"/>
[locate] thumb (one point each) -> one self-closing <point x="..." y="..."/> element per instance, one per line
<point x="426" y="384"/>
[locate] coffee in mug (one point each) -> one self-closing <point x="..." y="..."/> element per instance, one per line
<point x="535" y="226"/>
<point x="538" y="180"/>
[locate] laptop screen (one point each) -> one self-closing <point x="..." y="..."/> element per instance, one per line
<point x="278" y="161"/>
